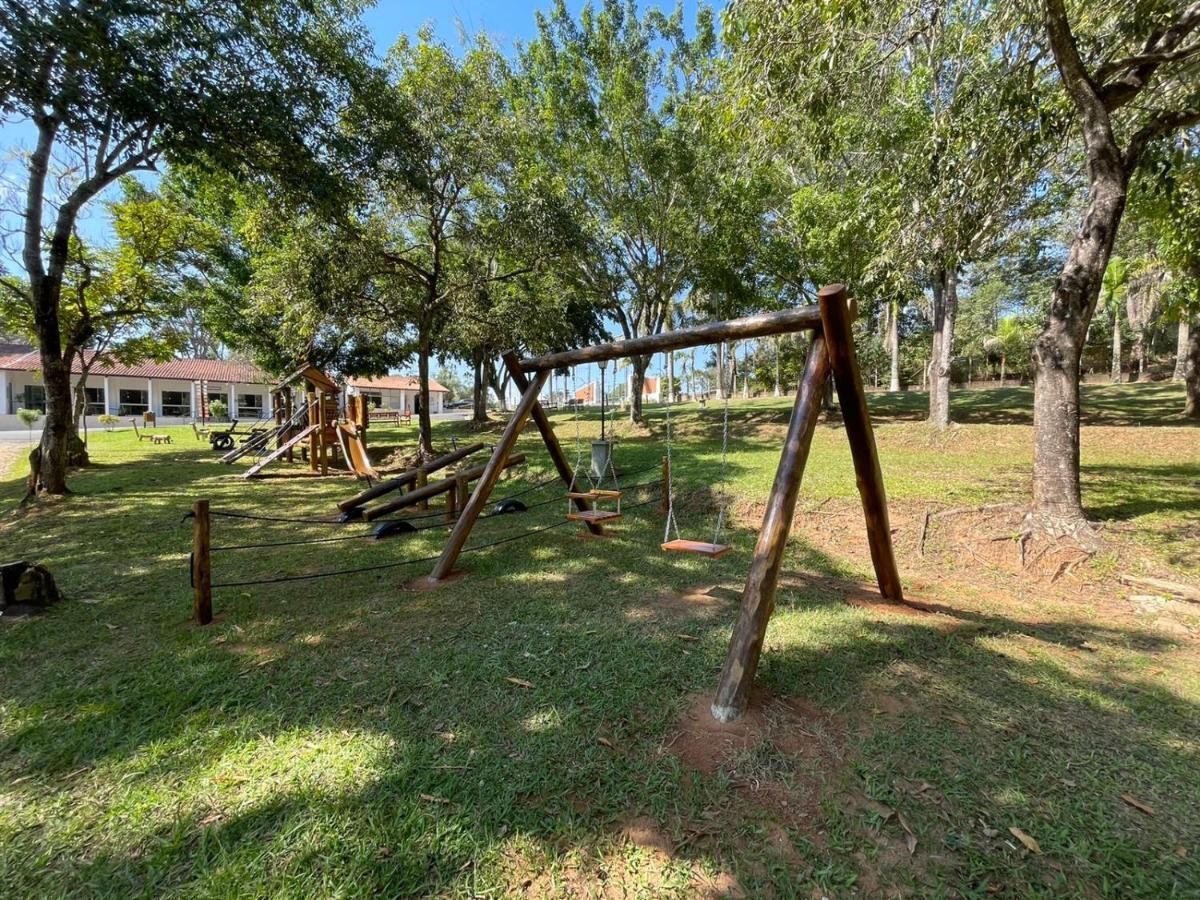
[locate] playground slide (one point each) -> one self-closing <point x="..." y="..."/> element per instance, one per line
<point x="279" y="451"/>
<point x="356" y="453"/>
<point x="252" y="444"/>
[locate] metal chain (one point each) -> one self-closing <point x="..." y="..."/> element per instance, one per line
<point x="671" y="523"/>
<point x="721" y="492"/>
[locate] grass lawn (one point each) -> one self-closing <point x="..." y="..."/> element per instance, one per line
<point x="538" y="728"/>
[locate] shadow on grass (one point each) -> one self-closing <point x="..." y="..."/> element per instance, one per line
<point x="461" y="760"/>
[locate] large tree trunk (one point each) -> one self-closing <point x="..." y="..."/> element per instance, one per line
<point x="638" y="364"/>
<point x="1181" y="351"/>
<point x="1191" y="372"/>
<point x="57" y="430"/>
<point x="478" y="392"/>
<point x="945" y="312"/>
<point x="1056" y="353"/>
<point x="893" y="339"/>
<point x="1115" y="369"/>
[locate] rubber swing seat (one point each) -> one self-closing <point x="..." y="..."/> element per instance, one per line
<point x="700" y="547"/>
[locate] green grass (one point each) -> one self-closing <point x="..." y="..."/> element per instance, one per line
<point x="343" y="737"/>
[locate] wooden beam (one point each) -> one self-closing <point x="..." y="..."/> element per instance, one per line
<point x="762" y="325"/>
<point x="409" y="477"/>
<point x="758" y="598"/>
<point x="836" y="318"/>
<point x="487" y="481"/>
<point x="553" y="447"/>
<point x="423" y="493"/>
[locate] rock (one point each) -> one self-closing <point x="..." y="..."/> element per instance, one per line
<point x="26" y="587"/>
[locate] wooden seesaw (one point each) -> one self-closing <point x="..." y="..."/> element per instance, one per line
<point x="832" y="351"/>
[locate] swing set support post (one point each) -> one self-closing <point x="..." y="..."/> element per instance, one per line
<point x="758" y="598"/>
<point x="487" y="481"/>
<point x="836" y="316"/>
<point x="553" y="447"/>
<point x="832" y="350"/>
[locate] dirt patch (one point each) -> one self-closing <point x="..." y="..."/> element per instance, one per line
<point x="780" y="754"/>
<point x="694" y="603"/>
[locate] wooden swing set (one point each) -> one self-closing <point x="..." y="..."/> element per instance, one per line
<point x="832" y="351"/>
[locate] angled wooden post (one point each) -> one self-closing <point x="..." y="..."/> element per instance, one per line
<point x="836" y="318"/>
<point x="758" y="598"/>
<point x="565" y="472"/>
<point x="487" y="481"/>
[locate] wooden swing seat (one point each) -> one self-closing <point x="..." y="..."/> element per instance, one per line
<point x="701" y="547"/>
<point x="594" y="516"/>
<point x="593" y="495"/>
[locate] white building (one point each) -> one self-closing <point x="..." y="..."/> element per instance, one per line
<point x="398" y="392"/>
<point x="171" y="390"/>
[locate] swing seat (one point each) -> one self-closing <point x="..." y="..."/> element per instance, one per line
<point x="703" y="548"/>
<point x="594" y="516"/>
<point x="593" y="495"/>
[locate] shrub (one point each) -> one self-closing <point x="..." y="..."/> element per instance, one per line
<point x="108" y="421"/>
<point x="217" y="409"/>
<point x="29" y="416"/>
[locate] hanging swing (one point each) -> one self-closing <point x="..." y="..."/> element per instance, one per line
<point x="595" y="492"/>
<point x="713" y="548"/>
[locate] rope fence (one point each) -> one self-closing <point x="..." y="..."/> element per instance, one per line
<point x="200" y="562"/>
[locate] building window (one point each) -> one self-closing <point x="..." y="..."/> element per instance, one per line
<point x="374" y="399"/>
<point x="35" y="397"/>
<point x="176" y="403"/>
<point x="250" y="406"/>
<point x="132" y="402"/>
<point x="95" y="401"/>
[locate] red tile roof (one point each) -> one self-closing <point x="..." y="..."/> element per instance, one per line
<point x="394" y="383"/>
<point x="219" y="370"/>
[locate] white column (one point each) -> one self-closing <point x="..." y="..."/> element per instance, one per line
<point x="3" y="393"/>
<point x="268" y="402"/>
<point x="150" y="395"/>
<point x="232" y="402"/>
<point x="108" y="404"/>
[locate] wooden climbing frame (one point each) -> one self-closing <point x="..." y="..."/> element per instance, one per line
<point x="832" y="352"/>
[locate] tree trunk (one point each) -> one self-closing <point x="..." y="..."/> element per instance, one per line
<point x="56" y="433"/>
<point x="1181" y="351"/>
<point x="478" y="392"/>
<point x="1003" y="365"/>
<point x="945" y="312"/>
<point x="1139" y="355"/>
<point x="425" y="426"/>
<point x="639" y="364"/>
<point x="1115" y="370"/>
<point x="893" y="338"/>
<point x="1057" y="498"/>
<point x="1191" y="372"/>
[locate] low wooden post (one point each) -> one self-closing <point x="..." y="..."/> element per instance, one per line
<point x="487" y="481"/>
<point x="758" y="598"/>
<point x="452" y="504"/>
<point x="836" y="316"/>
<point x="463" y="489"/>
<point x="201" y="564"/>
<point x="422" y="480"/>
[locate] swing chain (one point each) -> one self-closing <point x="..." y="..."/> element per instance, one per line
<point x="722" y="498"/>
<point x="671" y="523"/>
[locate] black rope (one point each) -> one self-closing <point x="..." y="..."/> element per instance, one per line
<point x="406" y="562"/>
<point x="296" y="542"/>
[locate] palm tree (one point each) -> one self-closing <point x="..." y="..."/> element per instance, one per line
<point x="1112" y="291"/>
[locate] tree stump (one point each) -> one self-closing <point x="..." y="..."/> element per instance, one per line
<point x="27" y="589"/>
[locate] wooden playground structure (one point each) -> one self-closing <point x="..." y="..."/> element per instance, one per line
<point x="311" y="424"/>
<point x="831" y="352"/>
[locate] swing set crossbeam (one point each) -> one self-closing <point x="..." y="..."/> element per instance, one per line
<point x="803" y="318"/>
<point x="595" y="494"/>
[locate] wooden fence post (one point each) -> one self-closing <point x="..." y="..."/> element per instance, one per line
<point x="201" y="564"/>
